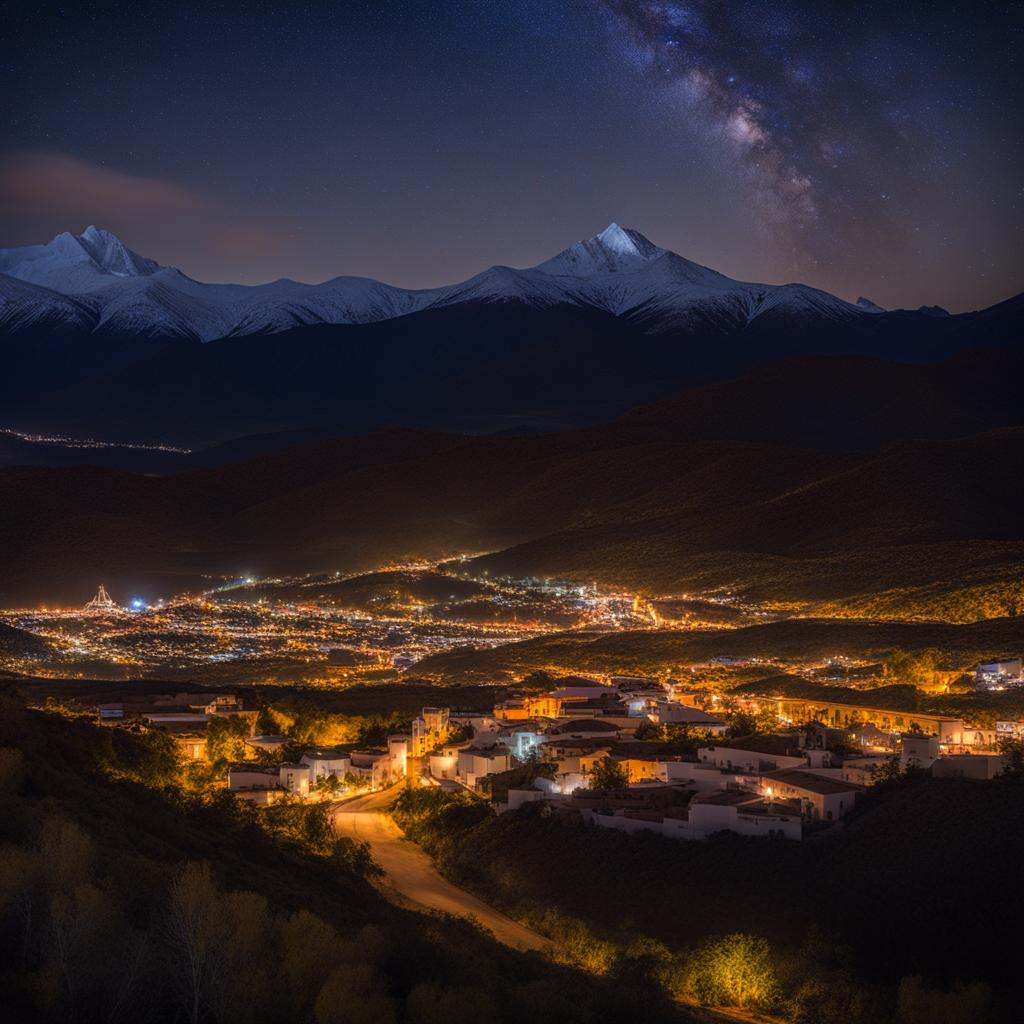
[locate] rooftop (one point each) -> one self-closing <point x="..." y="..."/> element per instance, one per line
<point x="582" y="725"/>
<point x="812" y="783"/>
<point x="726" y="797"/>
<point x="780" y="744"/>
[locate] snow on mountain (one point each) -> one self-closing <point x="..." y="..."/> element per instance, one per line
<point x="24" y="306"/>
<point x="164" y="304"/>
<point x="342" y="300"/>
<point x="94" y="275"/>
<point x="110" y="254"/>
<point x="800" y="300"/>
<point x="505" y="284"/>
<point x="624" y="273"/>
<point x="76" y="263"/>
<point x="614" y="250"/>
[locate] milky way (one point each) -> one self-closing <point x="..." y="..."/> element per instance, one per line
<point x="824" y="108"/>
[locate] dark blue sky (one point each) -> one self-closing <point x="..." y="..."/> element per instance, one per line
<point x="868" y="148"/>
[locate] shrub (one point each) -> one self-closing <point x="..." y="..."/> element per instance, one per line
<point x="736" y="970"/>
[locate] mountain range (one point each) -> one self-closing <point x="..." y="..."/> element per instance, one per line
<point x="93" y="281"/>
<point x="101" y="342"/>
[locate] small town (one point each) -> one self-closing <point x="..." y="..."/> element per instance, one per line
<point x="627" y="753"/>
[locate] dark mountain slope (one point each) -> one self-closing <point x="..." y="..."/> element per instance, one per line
<point x="845" y="401"/>
<point x="781" y="522"/>
<point x="480" y="366"/>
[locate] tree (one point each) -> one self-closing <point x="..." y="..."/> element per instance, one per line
<point x="1012" y="748"/>
<point x="966" y="1004"/>
<point x="225" y="740"/>
<point x="459" y="733"/>
<point x="353" y="781"/>
<point x="538" y="680"/>
<point x="742" y="723"/>
<point x="767" y="720"/>
<point x="191" y="935"/>
<point x="329" y="784"/>
<point x="916" y="668"/>
<point x="266" y="722"/>
<point x="648" y="731"/>
<point x="685" y="739"/>
<point x="608" y="774"/>
<point x="736" y="970"/>
<point x="888" y="771"/>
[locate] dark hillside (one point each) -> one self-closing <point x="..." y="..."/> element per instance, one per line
<point x="928" y="526"/>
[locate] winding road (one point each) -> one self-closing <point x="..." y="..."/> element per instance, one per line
<point x="410" y="878"/>
<point x="410" y="873"/>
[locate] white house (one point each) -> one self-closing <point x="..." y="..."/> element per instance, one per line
<point x="398" y="755"/>
<point x="268" y="743"/>
<point x="673" y="713"/>
<point x="429" y="729"/>
<point x="295" y="778"/>
<point x="251" y="777"/>
<point x="326" y="761"/>
<point x="476" y="763"/>
<point x="374" y="765"/>
<point x="820" y="798"/>
<point x="703" y="777"/>
<point x="706" y="814"/>
<point x="745" y="813"/>
<point x="750" y="760"/>
<point x="445" y="763"/>
<point x="523" y="740"/>
<point x="583" y="728"/>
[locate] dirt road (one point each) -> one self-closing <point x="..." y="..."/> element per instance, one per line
<point x="411" y="873"/>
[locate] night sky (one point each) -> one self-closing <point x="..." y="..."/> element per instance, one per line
<point x="870" y="148"/>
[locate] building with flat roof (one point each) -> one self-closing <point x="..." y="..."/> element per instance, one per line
<point x="823" y="799"/>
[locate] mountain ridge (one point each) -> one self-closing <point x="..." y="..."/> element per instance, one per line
<point x="144" y="353"/>
<point x="617" y="270"/>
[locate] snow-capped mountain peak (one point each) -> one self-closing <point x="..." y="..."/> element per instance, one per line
<point x="627" y="242"/>
<point x="73" y="264"/>
<point x="113" y="256"/>
<point x="614" y="250"/>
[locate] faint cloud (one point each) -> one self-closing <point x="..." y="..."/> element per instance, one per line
<point x="43" y="193"/>
<point x="36" y="184"/>
<point x="243" y="240"/>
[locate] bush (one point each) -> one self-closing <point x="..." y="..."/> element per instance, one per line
<point x="966" y="1004"/>
<point x="733" y="971"/>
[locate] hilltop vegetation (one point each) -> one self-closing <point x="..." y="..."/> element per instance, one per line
<point x="660" y="652"/>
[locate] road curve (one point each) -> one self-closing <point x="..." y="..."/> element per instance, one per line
<point x="410" y="877"/>
<point x="411" y="873"/>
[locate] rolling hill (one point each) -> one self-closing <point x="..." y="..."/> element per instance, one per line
<point x="645" y="502"/>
